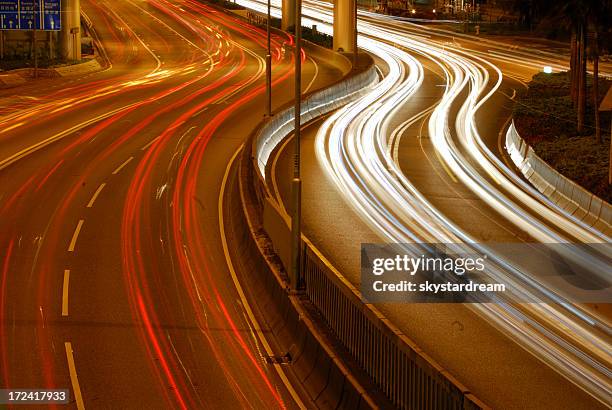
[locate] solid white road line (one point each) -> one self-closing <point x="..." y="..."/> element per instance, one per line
<point x="241" y="294"/>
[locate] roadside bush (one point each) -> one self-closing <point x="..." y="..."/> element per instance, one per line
<point x="317" y="37"/>
<point x="546" y="118"/>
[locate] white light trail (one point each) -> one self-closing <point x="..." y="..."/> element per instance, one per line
<point x="356" y="148"/>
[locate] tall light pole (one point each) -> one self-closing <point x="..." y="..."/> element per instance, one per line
<point x="2" y="40"/>
<point x="269" y="70"/>
<point x="296" y="184"/>
<point x="355" y="49"/>
<point x="36" y="18"/>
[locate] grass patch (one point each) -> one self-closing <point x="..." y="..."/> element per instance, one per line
<point x="546" y="118"/>
<point x="587" y="165"/>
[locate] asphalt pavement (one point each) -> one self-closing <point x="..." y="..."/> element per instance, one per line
<point x="495" y="368"/>
<point x="114" y="280"/>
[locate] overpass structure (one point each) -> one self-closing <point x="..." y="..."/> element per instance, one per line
<point x="70" y="35"/>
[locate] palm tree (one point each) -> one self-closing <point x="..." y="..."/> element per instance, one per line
<point x="600" y="23"/>
<point x="584" y="16"/>
<point x="594" y="56"/>
<point x="574" y="13"/>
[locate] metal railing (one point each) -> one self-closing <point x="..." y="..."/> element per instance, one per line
<point x="404" y="373"/>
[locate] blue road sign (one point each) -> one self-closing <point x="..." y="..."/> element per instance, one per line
<point x="9" y="14"/>
<point x="30" y="15"/>
<point x="51" y="20"/>
<point x="29" y="10"/>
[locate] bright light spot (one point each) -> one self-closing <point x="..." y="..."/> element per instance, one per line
<point x="434" y="10"/>
<point x="548" y="69"/>
<point x="413" y="11"/>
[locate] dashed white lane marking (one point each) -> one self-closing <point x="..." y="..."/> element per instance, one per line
<point x="120" y="167"/>
<point x="149" y="144"/>
<point x="65" y="292"/>
<point x="75" y="235"/>
<point x="95" y="195"/>
<point x="73" y="377"/>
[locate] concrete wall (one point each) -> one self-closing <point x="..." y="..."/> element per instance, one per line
<point x="568" y="196"/>
<point x="314" y="106"/>
<point x="359" y="328"/>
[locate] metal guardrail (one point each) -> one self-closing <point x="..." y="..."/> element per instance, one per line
<point x="565" y="193"/>
<point x="404" y="373"/>
<point x="407" y="376"/>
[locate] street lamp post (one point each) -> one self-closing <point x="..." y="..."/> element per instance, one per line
<point x="269" y="70"/>
<point x="35" y="48"/>
<point x="355" y="49"/>
<point x="296" y="185"/>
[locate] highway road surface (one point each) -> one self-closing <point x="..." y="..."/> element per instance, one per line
<point x="114" y="279"/>
<point x="420" y="160"/>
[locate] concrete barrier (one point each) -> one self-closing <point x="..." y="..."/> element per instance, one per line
<point x="568" y="196"/>
<point x="328" y="379"/>
<point x="403" y="374"/>
<point x="317" y="104"/>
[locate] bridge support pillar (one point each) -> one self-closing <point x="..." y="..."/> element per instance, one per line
<point x="288" y="9"/>
<point x="345" y="25"/>
<point x="70" y="37"/>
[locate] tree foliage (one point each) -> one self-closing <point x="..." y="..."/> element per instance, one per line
<point x="590" y="25"/>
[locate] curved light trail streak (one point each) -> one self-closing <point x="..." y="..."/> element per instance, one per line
<point x="356" y="147"/>
<point x="152" y="83"/>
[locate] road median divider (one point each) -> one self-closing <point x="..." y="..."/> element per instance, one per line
<point x="570" y="197"/>
<point x="344" y="350"/>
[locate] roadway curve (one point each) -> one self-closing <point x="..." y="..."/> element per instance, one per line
<point x="114" y="281"/>
<point x="409" y="164"/>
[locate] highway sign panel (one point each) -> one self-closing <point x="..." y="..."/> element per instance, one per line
<point x="51" y="20"/>
<point x="28" y="12"/>
<point x="30" y="15"/>
<point x="9" y="14"/>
